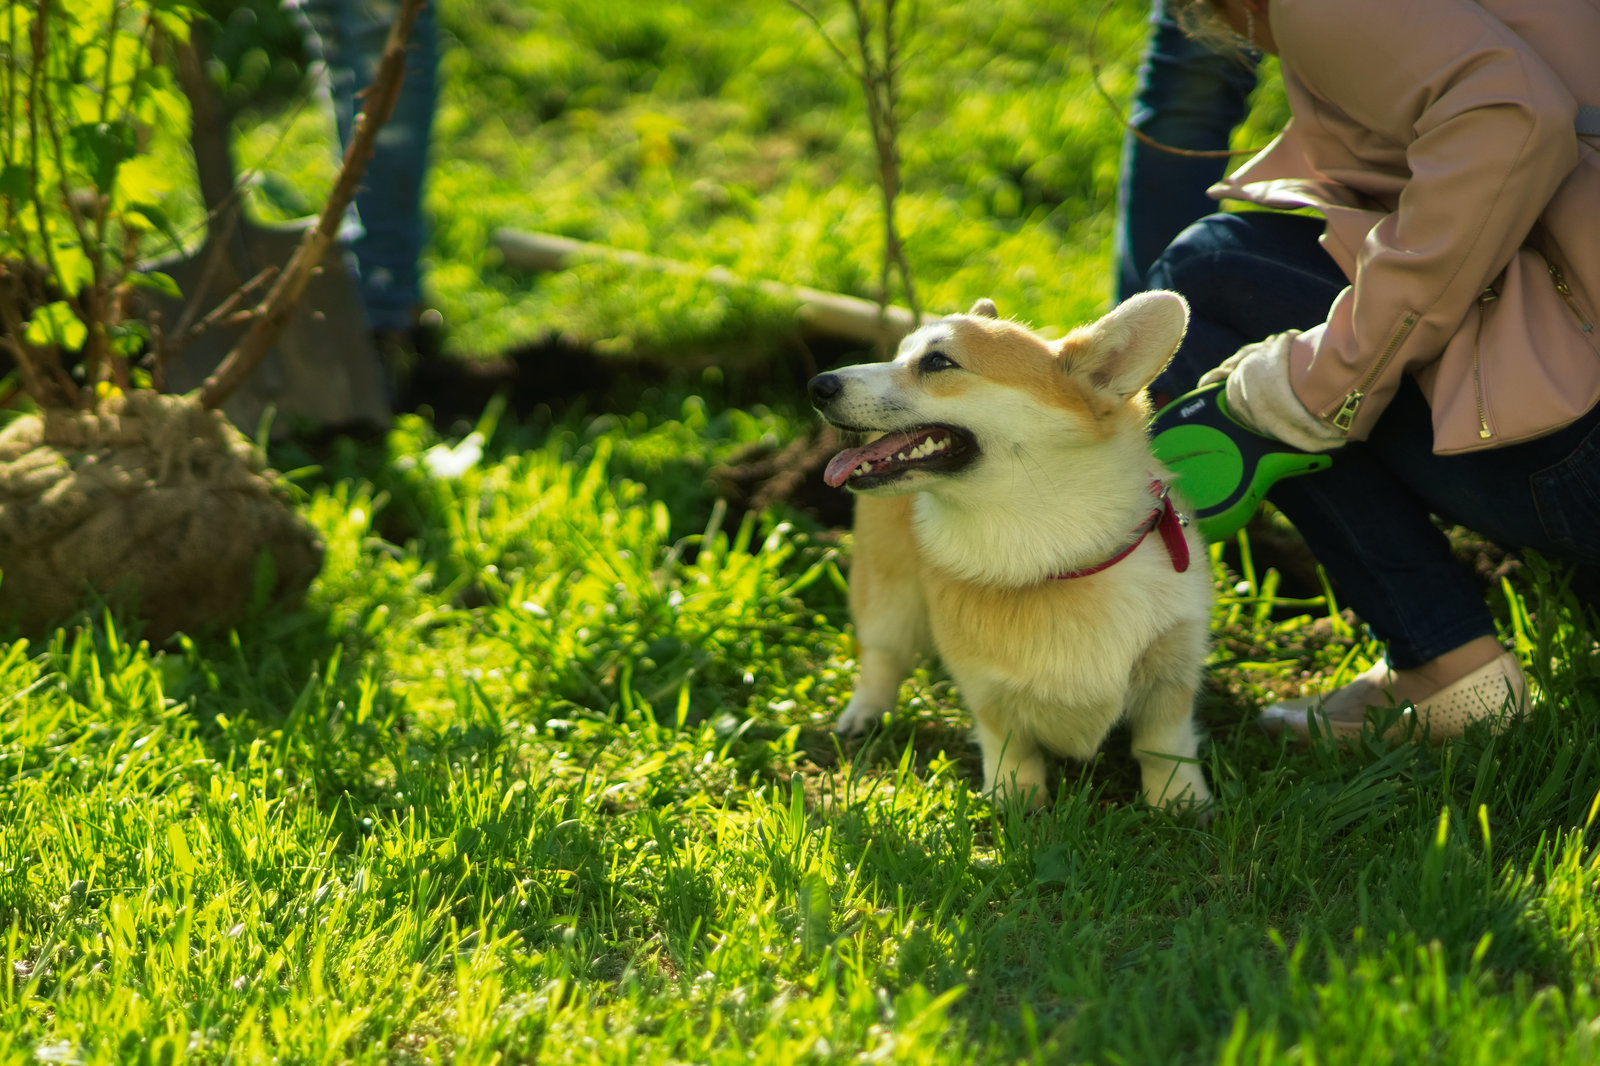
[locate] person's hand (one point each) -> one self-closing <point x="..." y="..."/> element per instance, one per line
<point x="1261" y="398"/>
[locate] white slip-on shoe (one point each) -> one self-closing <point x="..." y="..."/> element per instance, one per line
<point x="1497" y="690"/>
<point x="1341" y="713"/>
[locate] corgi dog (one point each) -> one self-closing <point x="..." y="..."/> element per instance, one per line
<point x="1010" y="515"/>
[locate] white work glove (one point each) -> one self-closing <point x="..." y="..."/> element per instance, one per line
<point x="1261" y="398"/>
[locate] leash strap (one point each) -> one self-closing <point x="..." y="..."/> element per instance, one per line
<point x="1164" y="517"/>
<point x="1171" y="527"/>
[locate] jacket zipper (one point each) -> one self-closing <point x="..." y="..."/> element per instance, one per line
<point x="1345" y="416"/>
<point x="1566" y="295"/>
<point x="1485" y="298"/>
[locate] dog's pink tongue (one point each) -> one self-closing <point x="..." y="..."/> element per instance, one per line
<point x="839" y="467"/>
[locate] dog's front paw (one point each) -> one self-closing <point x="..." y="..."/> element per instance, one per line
<point x="1187" y="809"/>
<point x="860" y="716"/>
<point x="1030" y="794"/>
<point x="1183" y="792"/>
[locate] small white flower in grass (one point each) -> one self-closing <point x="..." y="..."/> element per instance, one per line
<point x="450" y="462"/>
<point x="57" y="1051"/>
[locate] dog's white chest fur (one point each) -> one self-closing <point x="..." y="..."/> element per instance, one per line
<point x="1063" y="657"/>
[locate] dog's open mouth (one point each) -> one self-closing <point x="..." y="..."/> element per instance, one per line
<point x="942" y="448"/>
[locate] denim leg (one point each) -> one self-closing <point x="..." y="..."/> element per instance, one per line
<point x="1541" y="495"/>
<point x="348" y="36"/>
<point x="1248" y="276"/>
<point x="1370" y="517"/>
<point x="1375" y="536"/>
<point x="1187" y="97"/>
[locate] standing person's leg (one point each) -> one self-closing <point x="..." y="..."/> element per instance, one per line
<point x="349" y="36"/>
<point x="1189" y="97"/>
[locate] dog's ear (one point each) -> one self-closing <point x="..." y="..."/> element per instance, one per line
<point x="984" y="308"/>
<point x="1125" y="350"/>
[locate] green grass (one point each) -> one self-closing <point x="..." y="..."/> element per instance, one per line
<point x="543" y="770"/>
<point x="726" y="134"/>
<point x="542" y="773"/>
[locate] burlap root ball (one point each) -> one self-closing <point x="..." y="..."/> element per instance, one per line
<point x="155" y="504"/>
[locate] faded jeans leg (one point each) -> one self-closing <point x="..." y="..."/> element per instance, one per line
<point x="348" y="37"/>
<point x="1189" y="97"/>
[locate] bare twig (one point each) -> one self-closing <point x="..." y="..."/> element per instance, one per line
<point x="273" y="313"/>
<point x="827" y="38"/>
<point x="36" y="106"/>
<point x="112" y="290"/>
<point x="882" y="113"/>
<point x="227" y="312"/>
<point x="876" y="71"/>
<point x="184" y="330"/>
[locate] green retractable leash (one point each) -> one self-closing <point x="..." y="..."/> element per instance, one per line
<point x="1223" y="469"/>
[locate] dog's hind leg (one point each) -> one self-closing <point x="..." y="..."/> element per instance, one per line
<point x="1161" y="720"/>
<point x="888" y="608"/>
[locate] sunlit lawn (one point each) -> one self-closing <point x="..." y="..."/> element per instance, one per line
<point x="543" y="771"/>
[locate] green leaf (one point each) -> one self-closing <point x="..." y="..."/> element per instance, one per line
<point x="129" y="338"/>
<point x="74" y="268"/>
<point x="100" y="148"/>
<point x="57" y="324"/>
<point x="174" y="18"/>
<point x="155" y="218"/>
<point x="14" y="181"/>
<point x="156" y="281"/>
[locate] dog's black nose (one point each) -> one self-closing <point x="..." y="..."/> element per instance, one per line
<point x="825" y="388"/>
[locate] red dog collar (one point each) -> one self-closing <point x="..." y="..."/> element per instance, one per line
<point x="1164" y="517"/>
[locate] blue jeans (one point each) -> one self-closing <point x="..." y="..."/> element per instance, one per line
<point x="1187" y="97"/>
<point x="348" y="37"/>
<point x="1370" y="517"/>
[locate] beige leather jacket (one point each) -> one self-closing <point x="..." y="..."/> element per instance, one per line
<point x="1438" y="139"/>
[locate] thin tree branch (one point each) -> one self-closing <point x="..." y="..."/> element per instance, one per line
<point x="878" y="86"/>
<point x="227" y="312"/>
<point x="822" y="31"/>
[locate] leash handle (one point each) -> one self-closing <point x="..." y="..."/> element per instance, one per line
<point x="1221" y="469"/>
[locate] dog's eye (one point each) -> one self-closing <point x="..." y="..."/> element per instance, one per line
<point x="938" y="361"/>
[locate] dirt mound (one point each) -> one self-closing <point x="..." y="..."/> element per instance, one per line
<point x="154" y="504"/>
